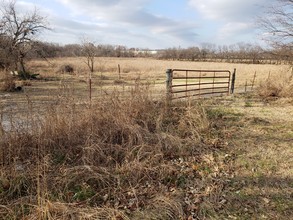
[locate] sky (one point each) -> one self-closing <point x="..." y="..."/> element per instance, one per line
<point x="152" y="24"/>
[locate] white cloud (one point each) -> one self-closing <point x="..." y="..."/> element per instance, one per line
<point x="229" y="10"/>
<point x="115" y="10"/>
<point x="131" y="15"/>
<point x="130" y="23"/>
<point x="235" y="19"/>
<point x="232" y="29"/>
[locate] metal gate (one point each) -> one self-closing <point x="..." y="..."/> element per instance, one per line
<point x="182" y="83"/>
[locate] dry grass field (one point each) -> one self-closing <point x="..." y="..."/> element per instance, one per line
<point x="152" y="69"/>
<point x="128" y="154"/>
<point x="147" y="71"/>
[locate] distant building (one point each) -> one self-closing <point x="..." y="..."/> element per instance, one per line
<point x="145" y="52"/>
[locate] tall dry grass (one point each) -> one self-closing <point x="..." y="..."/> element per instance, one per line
<point x="7" y="83"/>
<point x="118" y="157"/>
<point x="278" y="86"/>
<point x="111" y="159"/>
<point x="154" y="70"/>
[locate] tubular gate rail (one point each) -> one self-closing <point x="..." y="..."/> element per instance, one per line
<point x="182" y="83"/>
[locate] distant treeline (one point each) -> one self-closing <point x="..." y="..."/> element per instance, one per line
<point x="236" y="53"/>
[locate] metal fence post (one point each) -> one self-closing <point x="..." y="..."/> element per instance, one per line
<point x="90" y="87"/>
<point x="233" y="81"/>
<point x="169" y="74"/>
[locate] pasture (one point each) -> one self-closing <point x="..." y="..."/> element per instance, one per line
<point x="55" y="84"/>
<point x="133" y="71"/>
<point x="127" y="154"/>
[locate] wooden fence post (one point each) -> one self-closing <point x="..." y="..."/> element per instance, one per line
<point x="233" y="81"/>
<point x="119" y="71"/>
<point x="169" y="74"/>
<point x="90" y="87"/>
<point x="253" y="81"/>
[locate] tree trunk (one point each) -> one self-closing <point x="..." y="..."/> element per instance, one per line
<point x="22" y="67"/>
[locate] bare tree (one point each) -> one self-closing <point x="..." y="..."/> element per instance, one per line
<point x="277" y="24"/>
<point x="89" y="51"/>
<point x="19" y="30"/>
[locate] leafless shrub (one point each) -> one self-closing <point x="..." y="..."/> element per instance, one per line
<point x="276" y="86"/>
<point x="68" y="68"/>
<point x="7" y="83"/>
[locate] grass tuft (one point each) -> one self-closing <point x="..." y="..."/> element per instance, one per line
<point x="276" y="86"/>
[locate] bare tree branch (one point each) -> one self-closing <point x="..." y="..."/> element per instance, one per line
<point x="20" y="30"/>
<point x="89" y="51"/>
<point x="277" y="24"/>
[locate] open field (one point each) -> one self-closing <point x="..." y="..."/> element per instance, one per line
<point x="150" y="73"/>
<point x="133" y="71"/>
<point x="154" y="70"/>
<point x="128" y="154"/>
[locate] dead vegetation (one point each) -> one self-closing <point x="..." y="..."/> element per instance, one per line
<point x="260" y="184"/>
<point x="128" y="155"/>
<point x="279" y="86"/>
<point x="117" y="158"/>
<point x="7" y="83"/>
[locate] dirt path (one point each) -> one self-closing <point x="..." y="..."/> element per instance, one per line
<point x="261" y="145"/>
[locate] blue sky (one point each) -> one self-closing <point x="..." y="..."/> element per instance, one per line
<point x="152" y="24"/>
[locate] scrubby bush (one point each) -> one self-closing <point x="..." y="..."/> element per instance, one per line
<point x="7" y="82"/>
<point x="276" y="86"/>
<point x="68" y="68"/>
